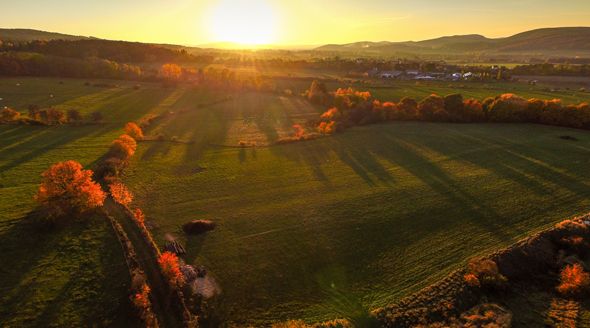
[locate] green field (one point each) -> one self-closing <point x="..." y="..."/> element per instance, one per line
<point x="376" y="212"/>
<point x="71" y="276"/>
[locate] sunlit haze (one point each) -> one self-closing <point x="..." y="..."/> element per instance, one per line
<point x="302" y="22"/>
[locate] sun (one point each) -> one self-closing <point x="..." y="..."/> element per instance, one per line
<point x="251" y="22"/>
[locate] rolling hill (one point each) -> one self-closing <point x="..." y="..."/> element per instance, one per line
<point x="564" y="41"/>
<point x="19" y="34"/>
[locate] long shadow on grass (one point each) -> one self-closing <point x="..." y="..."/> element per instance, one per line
<point x="528" y="164"/>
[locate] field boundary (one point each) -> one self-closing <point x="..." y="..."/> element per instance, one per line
<point x="452" y="296"/>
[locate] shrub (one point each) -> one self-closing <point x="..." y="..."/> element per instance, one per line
<point x="331" y="114"/>
<point x="573" y="280"/>
<point x="473" y="111"/>
<point x="139" y="217"/>
<point x="291" y="324"/>
<point x="484" y="273"/>
<point x="508" y="108"/>
<point x="134" y="131"/>
<point x="409" y="108"/>
<point x="141" y="300"/>
<point x="170" y="266"/>
<point x="123" y="147"/>
<point x="67" y="189"/>
<point x="472" y="280"/>
<point x="455" y="106"/>
<point x="299" y="131"/>
<point x="327" y="127"/>
<point x="74" y="116"/>
<point x="317" y="93"/>
<point x="8" y="115"/>
<point x="198" y="226"/>
<point x="120" y="193"/>
<point x="431" y="108"/>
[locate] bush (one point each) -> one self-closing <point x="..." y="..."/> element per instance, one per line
<point x="574" y="280"/>
<point x="484" y="273"/>
<point x="508" y="108"/>
<point x="8" y="115"/>
<point x="74" y="116"/>
<point x="198" y="226"/>
<point x="134" y="131"/>
<point x="123" y="147"/>
<point x="67" y="189"/>
<point x="170" y="266"/>
<point x="327" y="127"/>
<point x="120" y="193"/>
<point x="432" y="108"/>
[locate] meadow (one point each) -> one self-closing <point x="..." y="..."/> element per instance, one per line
<point x="374" y="213"/>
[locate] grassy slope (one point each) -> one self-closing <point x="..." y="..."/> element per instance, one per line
<point x="75" y="275"/>
<point x="378" y="211"/>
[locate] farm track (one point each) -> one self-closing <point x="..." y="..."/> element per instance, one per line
<point x="164" y="309"/>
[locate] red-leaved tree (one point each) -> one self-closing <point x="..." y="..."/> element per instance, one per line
<point x="171" y="269"/>
<point x="68" y="189"/>
<point x="120" y="193"/>
<point x="133" y="130"/>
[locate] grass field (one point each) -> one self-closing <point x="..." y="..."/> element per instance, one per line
<point x="376" y="212"/>
<point x="75" y="275"/>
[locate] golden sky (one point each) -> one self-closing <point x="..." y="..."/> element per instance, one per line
<point x="294" y="22"/>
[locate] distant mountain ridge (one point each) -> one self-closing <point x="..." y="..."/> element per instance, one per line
<point x="566" y="40"/>
<point x="23" y="34"/>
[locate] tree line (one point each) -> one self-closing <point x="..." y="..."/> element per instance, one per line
<point x="349" y="107"/>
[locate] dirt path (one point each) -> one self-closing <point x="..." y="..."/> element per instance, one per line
<point x="169" y="316"/>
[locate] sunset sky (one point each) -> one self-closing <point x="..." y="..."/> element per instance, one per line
<point x="282" y="22"/>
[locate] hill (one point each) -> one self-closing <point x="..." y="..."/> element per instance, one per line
<point x="20" y="34"/>
<point x="565" y="41"/>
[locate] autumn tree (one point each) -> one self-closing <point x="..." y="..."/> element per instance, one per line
<point x="170" y="72"/>
<point x="573" y="280"/>
<point x="120" y="193"/>
<point x="139" y="216"/>
<point x="299" y="131"/>
<point x="473" y="111"/>
<point x="484" y="272"/>
<point x="74" y="116"/>
<point x="133" y="130"/>
<point x="170" y="266"/>
<point x="454" y="105"/>
<point x="327" y="127"/>
<point x="8" y="115"/>
<point x="409" y="108"/>
<point x="68" y="189"/>
<point x="317" y="92"/>
<point x="123" y="147"/>
<point x="432" y="108"/>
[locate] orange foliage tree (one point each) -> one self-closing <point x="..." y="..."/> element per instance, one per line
<point x="67" y="189"/>
<point x="299" y="131"/>
<point x="134" y="131"/>
<point x="8" y="115"/>
<point x="142" y="299"/>
<point x="171" y="268"/>
<point x="573" y="280"/>
<point x="484" y="272"/>
<point x="120" y="193"/>
<point x="327" y="127"/>
<point x="171" y="72"/>
<point x="139" y="216"/>
<point x="123" y="147"/>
